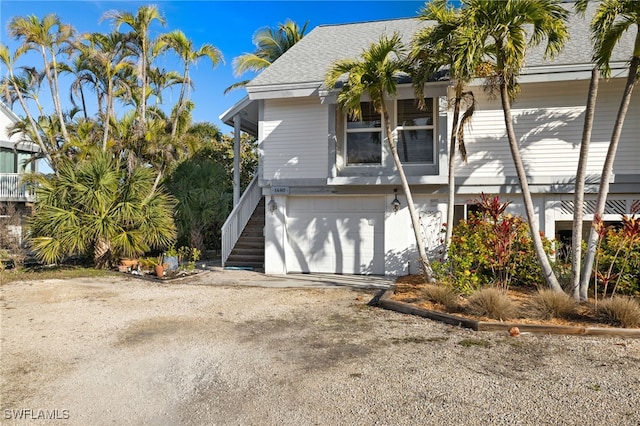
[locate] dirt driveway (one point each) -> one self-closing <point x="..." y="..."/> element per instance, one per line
<point x="129" y="352"/>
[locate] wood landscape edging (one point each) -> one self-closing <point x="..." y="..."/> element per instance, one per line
<point x="386" y="302"/>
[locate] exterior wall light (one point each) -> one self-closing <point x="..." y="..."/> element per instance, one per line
<point x="273" y="206"/>
<point x="395" y="204"/>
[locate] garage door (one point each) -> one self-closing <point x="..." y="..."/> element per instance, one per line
<point x="343" y="235"/>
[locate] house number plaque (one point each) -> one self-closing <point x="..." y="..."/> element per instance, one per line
<point x="280" y="190"/>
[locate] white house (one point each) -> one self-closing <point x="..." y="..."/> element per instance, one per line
<point x="16" y="154"/>
<point x="328" y="182"/>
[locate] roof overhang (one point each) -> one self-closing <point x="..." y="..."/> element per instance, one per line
<point x="568" y="72"/>
<point x="22" y="146"/>
<point x="275" y="91"/>
<point x="247" y="109"/>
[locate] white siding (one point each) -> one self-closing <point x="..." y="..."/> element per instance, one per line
<point x="548" y="120"/>
<point x="295" y="139"/>
<point x="5" y="121"/>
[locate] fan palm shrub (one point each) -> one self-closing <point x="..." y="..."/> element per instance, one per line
<point x="100" y="210"/>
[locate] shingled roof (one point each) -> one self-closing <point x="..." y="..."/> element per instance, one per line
<point x="308" y="60"/>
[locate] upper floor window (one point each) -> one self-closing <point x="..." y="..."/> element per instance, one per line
<point x="364" y="137"/>
<point x="415" y="138"/>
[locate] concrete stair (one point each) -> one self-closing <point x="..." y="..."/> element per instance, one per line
<point x="249" y="250"/>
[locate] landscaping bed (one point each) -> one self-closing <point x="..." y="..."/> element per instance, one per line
<point x="412" y="295"/>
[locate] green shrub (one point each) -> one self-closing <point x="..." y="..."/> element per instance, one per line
<point x="620" y="311"/>
<point x="491" y="303"/>
<point x="547" y="304"/>
<point x="618" y="258"/>
<point x="492" y="247"/>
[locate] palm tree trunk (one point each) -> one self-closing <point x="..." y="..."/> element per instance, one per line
<point x="107" y="119"/>
<point x="607" y="170"/>
<point x="545" y="265"/>
<point x="174" y="127"/>
<point x="578" y="192"/>
<point x="415" y="220"/>
<point x="32" y="122"/>
<point x="102" y="254"/>
<point x="452" y="170"/>
<point x="53" y="86"/>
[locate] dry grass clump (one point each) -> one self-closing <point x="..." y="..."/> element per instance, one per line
<point x="442" y="295"/>
<point x="547" y="304"/>
<point x="491" y="303"/>
<point x="620" y="311"/>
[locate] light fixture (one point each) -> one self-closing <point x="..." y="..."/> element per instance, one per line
<point x="273" y="206"/>
<point x="395" y="204"/>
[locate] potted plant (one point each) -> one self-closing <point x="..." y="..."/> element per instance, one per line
<point x="171" y="259"/>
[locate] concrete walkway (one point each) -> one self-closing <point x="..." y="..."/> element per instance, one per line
<point x="221" y="276"/>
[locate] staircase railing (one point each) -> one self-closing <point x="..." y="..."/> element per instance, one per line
<point x="239" y="217"/>
<point x="13" y="189"/>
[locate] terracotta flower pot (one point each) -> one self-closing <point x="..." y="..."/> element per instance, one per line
<point x="159" y="271"/>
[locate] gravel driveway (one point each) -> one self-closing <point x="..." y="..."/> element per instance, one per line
<point x="130" y="352"/>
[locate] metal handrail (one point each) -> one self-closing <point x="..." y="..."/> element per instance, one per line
<point x="239" y="217"/>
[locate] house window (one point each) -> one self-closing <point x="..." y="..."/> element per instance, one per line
<point x="415" y="129"/>
<point x="364" y="137"/>
<point x="7" y="161"/>
<point x="463" y="211"/>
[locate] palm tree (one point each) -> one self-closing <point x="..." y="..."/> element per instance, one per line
<point x="104" y="57"/>
<point x="500" y="31"/>
<point x="376" y="75"/>
<point x="140" y="24"/>
<point x="96" y="208"/>
<point x="270" y="45"/>
<point x="179" y="43"/>
<point x="434" y="48"/>
<point x="611" y="21"/>
<point x="49" y="37"/>
<point x="16" y="88"/>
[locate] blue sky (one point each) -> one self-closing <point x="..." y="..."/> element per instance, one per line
<point x="228" y="25"/>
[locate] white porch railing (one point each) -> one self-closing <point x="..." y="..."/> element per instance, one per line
<point x="12" y="189"/>
<point x="239" y="217"/>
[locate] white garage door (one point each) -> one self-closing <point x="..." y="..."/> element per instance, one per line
<point x="342" y="235"/>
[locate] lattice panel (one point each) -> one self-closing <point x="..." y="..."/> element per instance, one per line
<point x="611" y="207"/>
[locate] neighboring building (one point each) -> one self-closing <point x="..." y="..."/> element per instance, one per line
<point x="329" y="182"/>
<point x="16" y="155"/>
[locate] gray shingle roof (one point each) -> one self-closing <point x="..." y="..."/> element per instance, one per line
<point x="309" y="59"/>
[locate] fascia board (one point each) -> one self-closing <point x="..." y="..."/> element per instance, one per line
<point x="284" y="90"/>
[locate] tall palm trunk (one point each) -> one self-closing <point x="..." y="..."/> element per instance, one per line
<point x="174" y="126"/>
<point x="415" y="220"/>
<point x="578" y="192"/>
<point x="452" y="169"/>
<point x="52" y="78"/>
<point x="107" y="119"/>
<point x="545" y="265"/>
<point x="607" y="170"/>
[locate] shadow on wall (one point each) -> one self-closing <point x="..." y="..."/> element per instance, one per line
<point x="540" y="133"/>
<point x="331" y="244"/>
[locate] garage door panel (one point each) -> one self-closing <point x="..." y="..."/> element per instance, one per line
<point x="335" y="235"/>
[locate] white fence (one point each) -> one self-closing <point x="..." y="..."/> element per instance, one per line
<point x="239" y="217"/>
